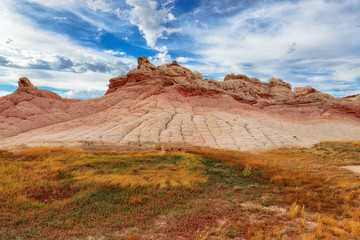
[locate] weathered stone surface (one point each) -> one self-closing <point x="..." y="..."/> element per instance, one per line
<point x="171" y="106"/>
<point x="237" y="76"/>
<point x="115" y="83"/>
<point x="144" y="63"/>
<point x="356" y="98"/>
<point x="281" y="92"/>
<point x="304" y="90"/>
<point x="198" y="75"/>
<point x="278" y="82"/>
<point x="24" y="82"/>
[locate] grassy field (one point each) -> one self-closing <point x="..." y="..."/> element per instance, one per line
<point x="295" y="193"/>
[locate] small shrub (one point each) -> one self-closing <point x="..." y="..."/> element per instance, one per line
<point x="247" y="171"/>
<point x="296" y="211"/>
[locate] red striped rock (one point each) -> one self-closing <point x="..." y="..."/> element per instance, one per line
<point x="171" y="106"/>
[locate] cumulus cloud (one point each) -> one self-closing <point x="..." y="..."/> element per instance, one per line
<point x="149" y="18"/>
<point x="161" y="57"/>
<point x="83" y="94"/>
<point x="171" y="17"/>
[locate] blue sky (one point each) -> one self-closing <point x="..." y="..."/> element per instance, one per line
<point x="74" y="46"/>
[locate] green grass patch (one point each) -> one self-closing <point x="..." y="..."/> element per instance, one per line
<point x="220" y="172"/>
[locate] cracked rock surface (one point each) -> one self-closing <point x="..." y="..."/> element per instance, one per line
<point x="169" y="106"/>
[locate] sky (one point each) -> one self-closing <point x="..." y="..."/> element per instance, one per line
<point x="73" y="47"/>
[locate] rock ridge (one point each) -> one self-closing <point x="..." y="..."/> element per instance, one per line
<point x="240" y="87"/>
<point x="170" y="106"/>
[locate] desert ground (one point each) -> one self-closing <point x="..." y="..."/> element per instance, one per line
<point x="285" y="193"/>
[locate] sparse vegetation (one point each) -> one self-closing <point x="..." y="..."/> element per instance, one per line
<point x="296" y="193"/>
<point x="323" y="199"/>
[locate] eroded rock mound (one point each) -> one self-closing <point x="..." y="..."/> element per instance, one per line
<point x="169" y="106"/>
<point x="275" y="82"/>
<point x="31" y="108"/>
<point x="356" y="98"/>
<point x="275" y="94"/>
<point x="238" y="76"/>
<point x="24" y="82"/>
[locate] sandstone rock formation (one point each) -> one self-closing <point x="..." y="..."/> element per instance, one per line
<point x="171" y="106"/>
<point x="354" y="97"/>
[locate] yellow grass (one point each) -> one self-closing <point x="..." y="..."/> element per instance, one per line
<point x="41" y="172"/>
<point x="295" y="211"/>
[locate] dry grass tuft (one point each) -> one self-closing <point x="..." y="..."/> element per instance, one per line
<point x="296" y="211"/>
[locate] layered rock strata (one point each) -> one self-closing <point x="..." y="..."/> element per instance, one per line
<point x="169" y="106"/>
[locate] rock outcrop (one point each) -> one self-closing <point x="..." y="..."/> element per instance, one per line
<point x="275" y="82"/>
<point x="170" y="106"/>
<point x="24" y="82"/>
<point x="240" y="87"/>
<point x="356" y="98"/>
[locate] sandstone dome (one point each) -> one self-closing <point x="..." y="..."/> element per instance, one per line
<point x="169" y="106"/>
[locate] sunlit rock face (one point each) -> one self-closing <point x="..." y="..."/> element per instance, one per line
<point x="169" y="106"/>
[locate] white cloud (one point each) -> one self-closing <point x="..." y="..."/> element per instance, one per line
<point x="4" y="93"/>
<point x="121" y="14"/>
<point x="266" y="33"/>
<point x="60" y="18"/>
<point x="56" y="79"/>
<point x="111" y="52"/>
<point x="343" y="93"/>
<point x="99" y="5"/>
<point x="162" y="57"/>
<point x="184" y="59"/>
<point x="83" y="94"/>
<point x="171" y="17"/>
<point x="146" y="15"/>
<point x="173" y="30"/>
